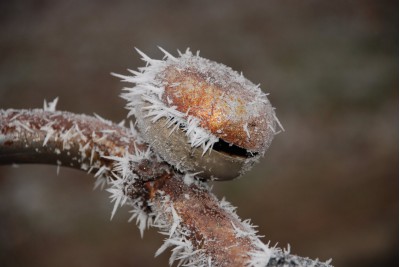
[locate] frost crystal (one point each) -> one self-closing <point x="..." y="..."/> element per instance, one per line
<point x="143" y="220"/>
<point x="117" y="194"/>
<point x="123" y="178"/>
<point x="261" y="253"/>
<point x="261" y="256"/>
<point x="183" y="250"/>
<point x="51" y="106"/>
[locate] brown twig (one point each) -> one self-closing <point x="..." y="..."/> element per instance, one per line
<point x="202" y="229"/>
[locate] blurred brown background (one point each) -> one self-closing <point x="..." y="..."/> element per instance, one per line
<point x="328" y="185"/>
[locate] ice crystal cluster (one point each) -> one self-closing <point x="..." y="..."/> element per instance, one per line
<point x="199" y="115"/>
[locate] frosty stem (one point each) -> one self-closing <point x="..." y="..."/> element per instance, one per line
<point x="91" y="144"/>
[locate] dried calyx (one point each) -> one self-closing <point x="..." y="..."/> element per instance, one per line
<point x="200" y="116"/>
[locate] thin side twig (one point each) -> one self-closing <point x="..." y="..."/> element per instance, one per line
<point x="200" y="229"/>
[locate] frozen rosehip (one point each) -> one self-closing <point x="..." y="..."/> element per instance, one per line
<point x="200" y="116"/>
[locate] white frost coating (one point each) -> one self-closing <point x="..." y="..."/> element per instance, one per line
<point x="121" y="123"/>
<point x="246" y="130"/>
<point x="123" y="179"/>
<point x="15" y="116"/>
<point x="117" y="194"/>
<point x="49" y="132"/>
<point x="108" y="122"/>
<point x="261" y="255"/>
<point x="67" y="136"/>
<point x="134" y="132"/>
<point x="178" y="237"/>
<point x="239" y="232"/>
<point x="279" y="124"/>
<point x="188" y="178"/>
<point x="227" y="206"/>
<point x="101" y="181"/>
<point x="143" y="220"/>
<point x="286" y="251"/>
<point x="82" y="136"/>
<point x="18" y="123"/>
<point x="92" y="153"/>
<point x="101" y="171"/>
<point x="122" y="166"/>
<point x="176" y="221"/>
<point x="148" y="91"/>
<point x="51" y="106"/>
<point x="108" y="131"/>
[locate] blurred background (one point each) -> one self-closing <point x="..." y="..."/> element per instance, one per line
<point x="328" y="186"/>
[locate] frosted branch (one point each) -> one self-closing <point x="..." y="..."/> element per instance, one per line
<point x="200" y="229"/>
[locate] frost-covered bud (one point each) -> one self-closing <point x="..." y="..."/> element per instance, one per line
<point x="199" y="115"/>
